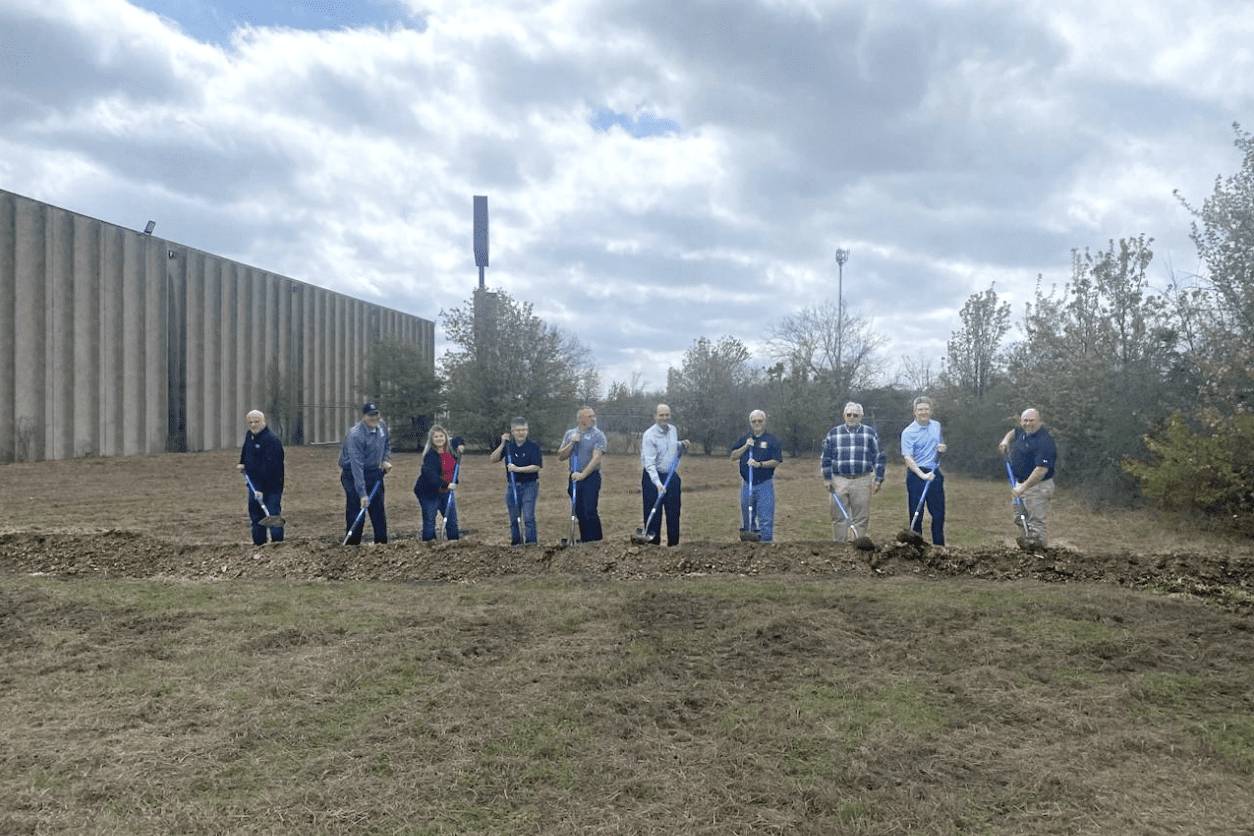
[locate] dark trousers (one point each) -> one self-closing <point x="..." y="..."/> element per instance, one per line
<point x="273" y="503"/>
<point x="352" y="506"/>
<point x="670" y="506"/>
<point x="587" y="493"/>
<point x="935" y="503"/>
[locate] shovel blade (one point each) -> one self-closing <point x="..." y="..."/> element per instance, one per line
<point x="271" y="521"/>
<point x="749" y="536"/>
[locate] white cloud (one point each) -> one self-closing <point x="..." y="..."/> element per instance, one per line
<point x="948" y="144"/>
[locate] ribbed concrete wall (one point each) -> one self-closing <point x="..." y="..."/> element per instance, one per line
<point x="113" y="342"/>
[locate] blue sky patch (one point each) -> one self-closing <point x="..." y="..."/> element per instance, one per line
<point x="213" y="21"/>
<point x="646" y="125"/>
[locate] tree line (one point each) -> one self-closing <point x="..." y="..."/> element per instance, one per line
<point x="1147" y="388"/>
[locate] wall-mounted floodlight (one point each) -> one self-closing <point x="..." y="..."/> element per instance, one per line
<point x="150" y="227"/>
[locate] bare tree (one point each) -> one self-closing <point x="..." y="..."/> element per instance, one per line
<point x="915" y="373"/>
<point x="826" y="354"/>
<point x="974" y="351"/>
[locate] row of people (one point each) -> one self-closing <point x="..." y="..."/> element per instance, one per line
<point x="852" y="468"/>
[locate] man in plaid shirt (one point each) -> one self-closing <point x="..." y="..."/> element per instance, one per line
<point x="853" y="467"/>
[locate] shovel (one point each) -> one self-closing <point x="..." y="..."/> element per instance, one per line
<point x="751" y="534"/>
<point x="452" y="503"/>
<point x="862" y="543"/>
<point x="1021" y="514"/>
<point x="909" y="535"/>
<point x="269" y="520"/>
<point x="641" y="535"/>
<point x="361" y="515"/>
<point x="513" y="486"/>
<point x="572" y="541"/>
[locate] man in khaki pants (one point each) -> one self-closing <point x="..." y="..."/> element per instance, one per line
<point x="853" y="468"/>
<point x="1033" y="455"/>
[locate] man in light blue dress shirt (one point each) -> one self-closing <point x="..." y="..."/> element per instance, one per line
<point x="659" y="455"/>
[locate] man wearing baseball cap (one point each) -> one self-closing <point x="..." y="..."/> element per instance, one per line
<point x="365" y="457"/>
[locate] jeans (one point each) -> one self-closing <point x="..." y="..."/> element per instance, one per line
<point x="446" y="505"/>
<point x="762" y="498"/>
<point x="527" y="494"/>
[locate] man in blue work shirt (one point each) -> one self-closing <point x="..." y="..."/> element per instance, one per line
<point x="1033" y="455"/>
<point x="365" y="457"/>
<point x="585" y="446"/>
<point x="759" y="453"/>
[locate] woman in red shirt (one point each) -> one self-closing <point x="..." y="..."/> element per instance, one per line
<point x="435" y="484"/>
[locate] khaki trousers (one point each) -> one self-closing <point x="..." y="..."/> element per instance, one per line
<point x="855" y="493"/>
<point x="1036" y="507"/>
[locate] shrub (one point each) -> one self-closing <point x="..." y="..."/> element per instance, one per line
<point x="1207" y="470"/>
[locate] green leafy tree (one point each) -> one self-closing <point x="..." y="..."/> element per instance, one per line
<point x="708" y="392"/>
<point x="506" y="362"/>
<point x="1097" y="359"/>
<point x="400" y="379"/>
<point x="1209" y="470"/>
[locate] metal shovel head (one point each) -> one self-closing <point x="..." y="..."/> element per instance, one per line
<point x="271" y="521"/>
<point x="1022" y="519"/>
<point x="572" y="540"/>
<point x="864" y="544"/>
<point x="748" y="535"/>
<point x="641" y="537"/>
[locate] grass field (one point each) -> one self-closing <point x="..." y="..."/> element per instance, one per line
<point x="805" y="700"/>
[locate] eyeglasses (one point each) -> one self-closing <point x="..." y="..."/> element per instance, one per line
<point x="853" y="414"/>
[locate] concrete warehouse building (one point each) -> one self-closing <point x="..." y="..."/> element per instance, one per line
<point x="116" y="342"/>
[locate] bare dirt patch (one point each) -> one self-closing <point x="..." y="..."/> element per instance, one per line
<point x="183" y="516"/>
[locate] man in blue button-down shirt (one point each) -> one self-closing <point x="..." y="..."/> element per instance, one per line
<point x="921" y="446"/>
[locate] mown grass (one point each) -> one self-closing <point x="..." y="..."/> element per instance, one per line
<point x="558" y="705"/>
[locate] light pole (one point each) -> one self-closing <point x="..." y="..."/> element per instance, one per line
<point x="842" y="255"/>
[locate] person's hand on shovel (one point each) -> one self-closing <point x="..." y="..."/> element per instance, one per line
<point x="931" y="474"/>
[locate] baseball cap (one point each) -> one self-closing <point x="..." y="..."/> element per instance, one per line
<point x="368" y="407"/>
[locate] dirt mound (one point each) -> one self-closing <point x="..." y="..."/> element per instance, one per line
<point x="124" y="554"/>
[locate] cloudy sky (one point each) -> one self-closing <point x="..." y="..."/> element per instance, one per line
<point x="656" y="170"/>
